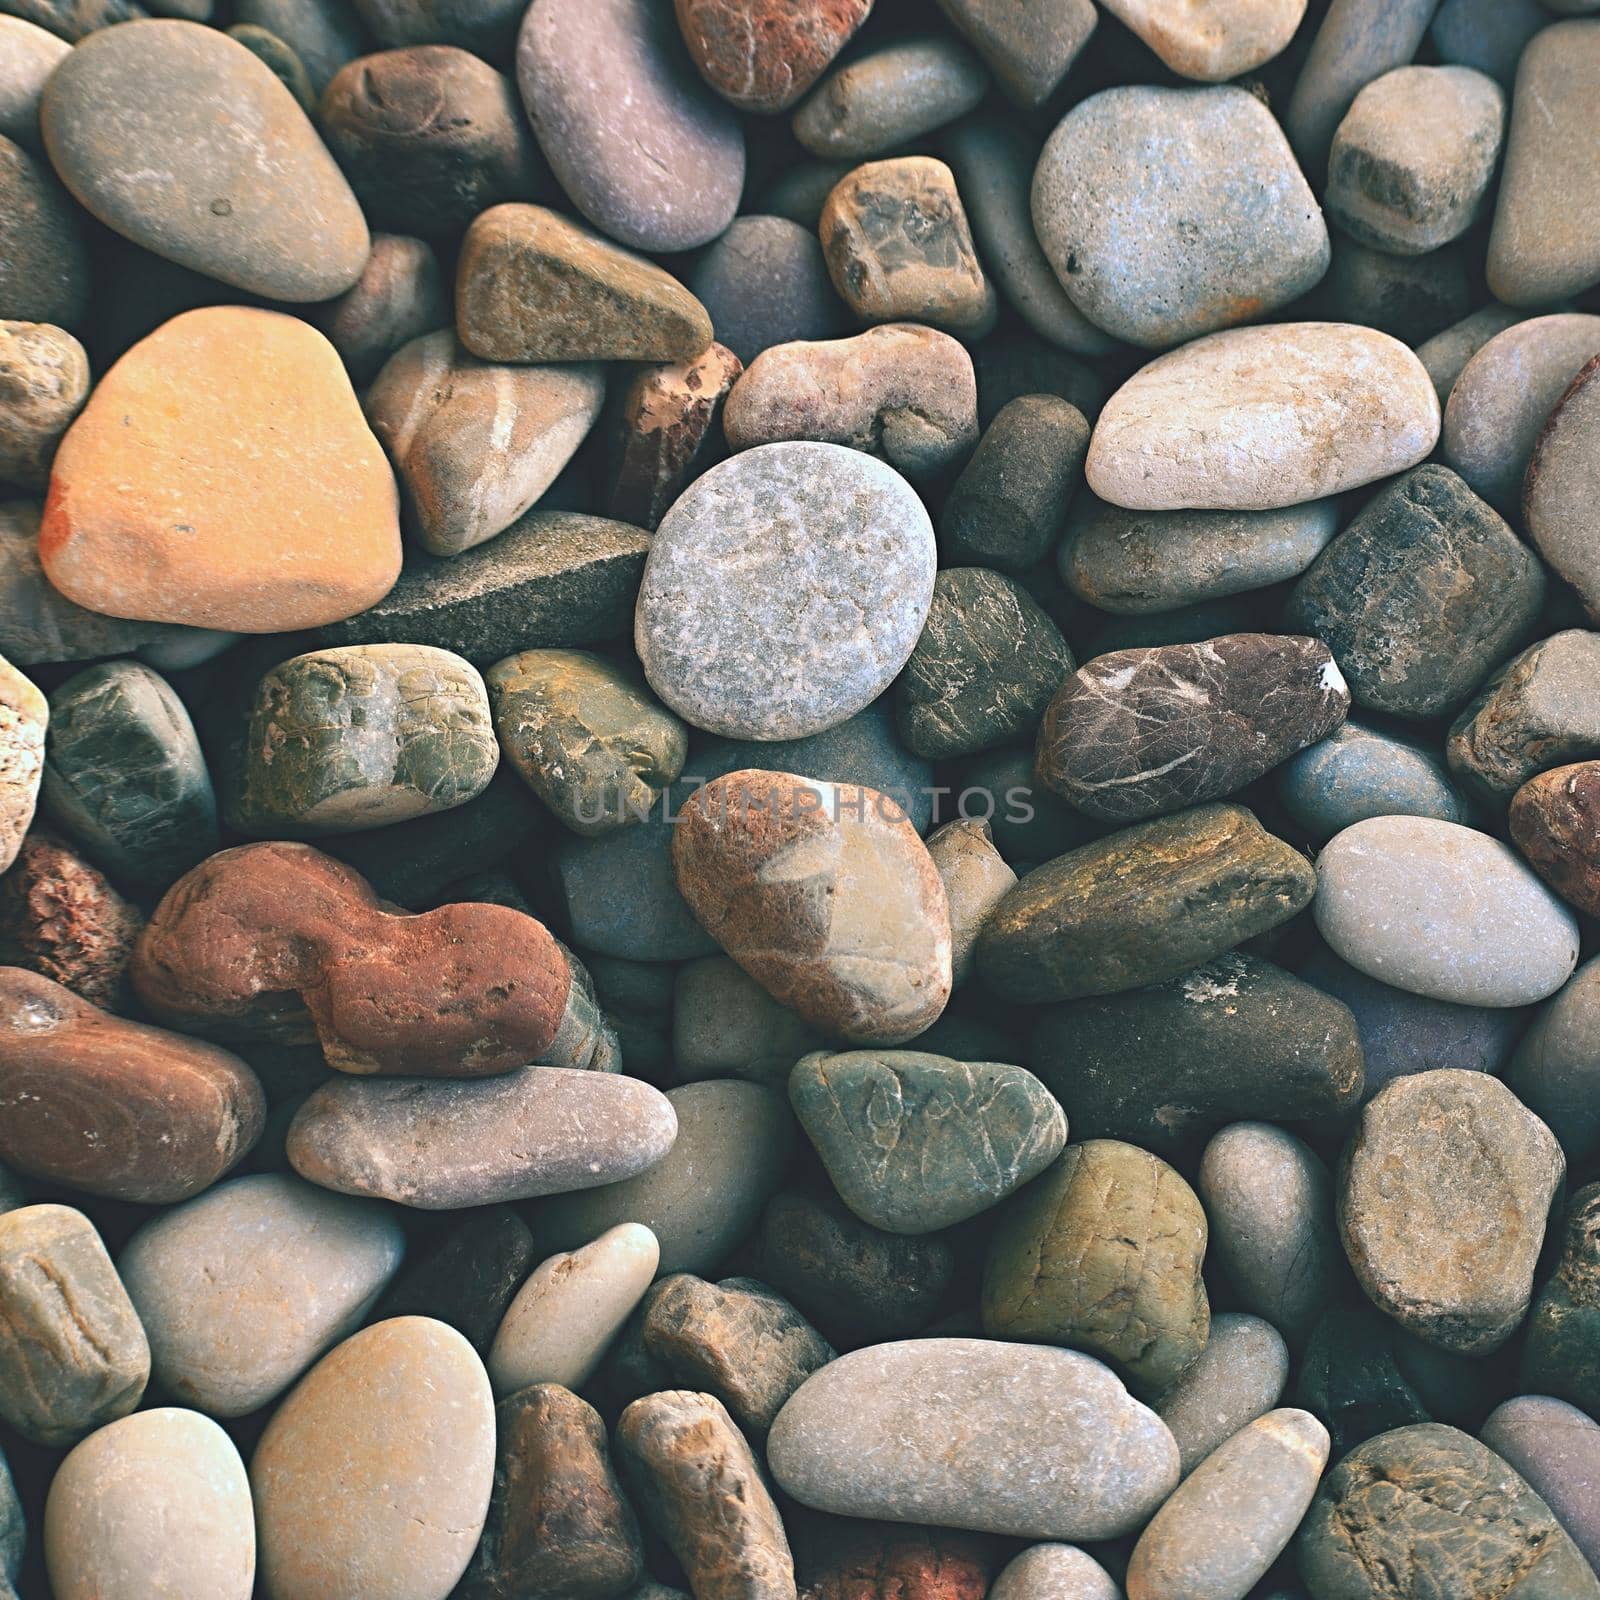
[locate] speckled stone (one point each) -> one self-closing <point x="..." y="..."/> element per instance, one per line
<point x="976" y="879"/>
<point x="160" y="1498"/>
<point x="1359" y="772"/>
<point x="400" y="295"/>
<point x="1557" y="496"/>
<point x="157" y="130"/>
<point x="1556" y="1448"/>
<point x="658" y="168"/>
<point x="764" y="282"/>
<point x="1238" y="1377"/>
<point x="45" y="269"/>
<point x="24" y="715"/>
<point x="1561" y="1354"/>
<point x="771" y="535"/>
<point x="1541" y="248"/>
<point x="31" y="54"/>
<point x="1552" y="820"/>
<point x="375" y="1474"/>
<point x="1054" y="1572"/>
<point x="905" y="1431"/>
<point x="1143" y="905"/>
<point x="1200" y="186"/>
<point x="1555" y="1071"/>
<point x="902" y="392"/>
<point x="280" y="60"/>
<point x="1444" y="911"/>
<point x="1420" y="595"/>
<point x="1029" y="49"/>
<point x="1254" y="418"/>
<point x="72" y="1353"/>
<point x="760" y="56"/>
<point x="475" y="445"/>
<point x="889" y="97"/>
<point x="44" y="381"/>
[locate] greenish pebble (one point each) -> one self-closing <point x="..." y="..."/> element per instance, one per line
<point x="1562" y="1354"/>
<point x="1359" y="772"/>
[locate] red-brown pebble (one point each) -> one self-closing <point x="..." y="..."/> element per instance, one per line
<point x="1555" y="823"/>
<point x="764" y="54"/>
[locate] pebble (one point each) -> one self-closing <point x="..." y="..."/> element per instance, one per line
<point x="1230" y="1519"/>
<point x="909" y="1430"/>
<point x="45" y="267"/>
<point x="1450" y="1260"/>
<point x="374" y="1475"/>
<point x="1444" y="911"/>
<point x="1540" y="249"/>
<point x="114" y="1107"/>
<point x="475" y="445"/>
<point x="659" y="167"/>
<point x="1054" y="1572"/>
<point x="1561" y="1352"/>
<point x="1029" y="50"/>
<point x="1551" y="820"/>
<point x="984" y="669"/>
<point x="324" y="36"/>
<point x="1429" y="1504"/>
<point x="1411" y="297"/>
<point x="889" y="97"/>
<point x="44" y="381"/>
<point x="533" y="285"/>
<point x="734" y="1144"/>
<point x="1556" y="1449"/>
<point x="702" y="1490"/>
<point x="487" y="30"/>
<point x="789" y="531"/>
<point x="31" y="55"/>
<point x="1553" y="1069"/>
<point x="1559" y="482"/>
<point x="1137" y="733"/>
<point x="1421" y="595"/>
<point x="764" y="282"/>
<point x="1488" y="35"/>
<point x="286" y="518"/>
<point x="1141" y="906"/>
<point x="1502" y="399"/>
<point x="443" y="1145"/>
<point x="400" y="295"/>
<point x="72" y="1353"/>
<point x="171" y="109"/>
<point x="725" y="1025"/>
<point x="1446" y="354"/>
<point x="280" y="60"/>
<point x="1239" y="1376"/>
<point x="243" y="1287"/>
<point x="1200" y="184"/>
<point x="24" y="716"/>
<point x="161" y="1497"/>
<point x="1350" y="1377"/>
<point x="902" y="392"/>
<point x="839" y="1558"/>
<point x="561" y="1320"/>
<point x="1255" y="418"/>
<point x="763" y="56"/>
<point x="976" y="879"/>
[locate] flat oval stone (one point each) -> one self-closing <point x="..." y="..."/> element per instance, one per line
<point x="1488" y="35"/>
<point x="443" y="1145"/>
<point x="1054" y="1572"/>
<point x="1238" y="1377"/>
<point x="791" y="531"/>
<point x="45" y="268"/>
<point x="1443" y="1195"/>
<point x="1446" y="354"/>
<point x="1556" y="1448"/>
<point x="761" y="56"/>
<point x="1200" y="188"/>
<point x="974" y="1433"/>
<point x="158" y="131"/>
<point x="374" y="1475"/>
<point x="1561" y="1355"/>
<point x="1359" y="772"/>
<point x="1557" y="493"/>
<point x="1442" y="910"/>
<point x="44" y="381"/>
<point x="243" y="1287"/>
<point x="659" y="168"/>
<point x="158" y="1497"/>
<point x="1253" y="418"/>
<point x="1553" y="821"/>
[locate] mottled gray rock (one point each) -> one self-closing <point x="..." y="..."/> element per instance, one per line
<point x="1028" y="49"/>
<point x="1556" y="1069"/>
<point x="1054" y="1572"/>
<point x="31" y="54"/>
<point x="1238" y="1377"/>
<point x="44" y="259"/>
<point x="1556" y="1448"/>
<point x="1447" y="353"/>
<point x="1558" y="496"/>
<point x="976" y="879"/>
<point x="44" y="380"/>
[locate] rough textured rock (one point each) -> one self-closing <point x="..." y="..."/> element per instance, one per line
<point x="760" y="56"/>
<point x="1054" y="1572"/>
<point x="114" y="1107"/>
<point x="1556" y="1448"/>
<point x="1557" y="493"/>
<point x="1553" y="1069"/>
<point x="1104" y="1253"/>
<point x="904" y="1431"/>
<point x="45" y="269"/>
<point x="24" y="716"/>
<point x="1238" y="1377"/>
<point x="764" y="282"/>
<point x="400" y="295"/>
<point x="72" y="1353"/>
<point x="44" y="380"/>
<point x="1561" y="1355"/>
<point x="1254" y="418"/>
<point x="839" y="1558"/>
<point x="288" y="516"/>
<point x="975" y="877"/>
<point x="157" y="130"/>
<point x="1143" y="905"/>
<point x="1442" y="910"/>
<point x="1360" y="772"/>
<point x="1029" y="49"/>
<point x="1200" y="186"/>
<point x="659" y="168"/>
<point x="375" y="1473"/>
<point x="1218" y="40"/>
<point x="902" y="392"/>
<point x="1553" y="823"/>
<point x="475" y="445"/>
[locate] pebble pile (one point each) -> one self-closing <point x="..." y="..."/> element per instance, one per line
<point x="799" y="799"/>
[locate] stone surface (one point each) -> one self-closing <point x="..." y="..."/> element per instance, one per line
<point x="287" y="518"/>
<point x="1136" y="733"/>
<point x="703" y="1491"/>
<point x="1488" y="35"/>
<point x="764" y="282"/>
<point x="1410" y="297"/>
<point x="1238" y="1377"/>
<point x="1557" y="491"/>
<point x="1141" y="906"/>
<point x="1446" y="354"/>
<point x="24" y="716"/>
<point x="658" y="168"/>
<point x="487" y="30"/>
<point x="1359" y="772"/>
<point x="72" y="1353"/>
<point x="725" y="1025"/>
<point x="1424" y="591"/>
<point x="375" y="1473"/>
<point x="242" y="1288"/>
<point x="1214" y="41"/>
<point x="839" y="1558"/>
<point x="45" y="269"/>
<point x="905" y="1431"/>
<point x="763" y="57"/>
<point x="1556" y="1449"/>
<point x="976" y="879"/>
<point x="44" y="380"/>
<point x="113" y="1107"/>
<point x="1028" y="49"/>
<point x="1254" y="418"/>
<point x="444" y="1145"/>
<point x="1553" y="1069"/>
<point x="915" y="1142"/>
<point x="160" y="1497"/>
<point x="1350" y="1377"/>
<point x="475" y="445"/>
<point x="1552" y="824"/>
<point x="825" y="895"/>
<point x="280" y="60"/>
<point x="1442" y="910"/>
<point x="324" y="36"/>
<point x="1561" y="1354"/>
<point x="1054" y="1572"/>
<point x="1540" y="249"/>
<point x="1200" y="186"/>
<point x="1104" y="1253"/>
<point x="902" y="392"/>
<point x="32" y="53"/>
<point x="533" y="285"/>
<point x="159" y="129"/>
<point x="400" y="295"/>
<point x="1429" y="1505"/>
